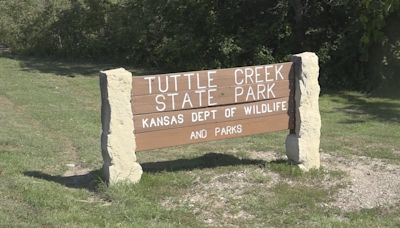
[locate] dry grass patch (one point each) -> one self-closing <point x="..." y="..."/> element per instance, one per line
<point x="215" y="198"/>
<point x="372" y="182"/>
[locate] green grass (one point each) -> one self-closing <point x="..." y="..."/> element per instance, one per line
<point x="49" y="117"/>
<point x="355" y="124"/>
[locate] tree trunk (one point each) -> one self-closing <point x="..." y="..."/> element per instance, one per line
<point x="298" y="7"/>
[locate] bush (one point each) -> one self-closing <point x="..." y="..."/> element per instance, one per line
<point x="348" y="36"/>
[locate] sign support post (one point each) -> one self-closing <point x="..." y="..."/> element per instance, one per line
<point x="118" y="144"/>
<point x="302" y="144"/>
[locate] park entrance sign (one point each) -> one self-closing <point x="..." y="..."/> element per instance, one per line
<point x="156" y="111"/>
<point x="192" y="107"/>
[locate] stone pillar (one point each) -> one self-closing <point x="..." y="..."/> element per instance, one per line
<point x="117" y="139"/>
<point x="302" y="144"/>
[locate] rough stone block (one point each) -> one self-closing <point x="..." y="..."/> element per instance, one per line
<point x="302" y="146"/>
<point x="117" y="139"/>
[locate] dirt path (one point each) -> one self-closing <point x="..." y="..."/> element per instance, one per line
<point x="367" y="182"/>
<point x="372" y="182"/>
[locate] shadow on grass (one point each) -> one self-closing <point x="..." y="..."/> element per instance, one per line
<point x="89" y="181"/>
<point x="93" y="179"/>
<point x="387" y="110"/>
<point x="70" y="68"/>
<point x="210" y="160"/>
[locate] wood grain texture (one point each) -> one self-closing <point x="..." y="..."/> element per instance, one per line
<point x="193" y="107"/>
<point x="232" y="129"/>
<point x="194" y="117"/>
<point x="186" y="81"/>
<point x="221" y="96"/>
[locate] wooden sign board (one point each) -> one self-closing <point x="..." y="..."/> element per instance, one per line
<point x="192" y="107"/>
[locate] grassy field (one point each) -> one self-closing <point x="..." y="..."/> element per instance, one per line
<point x="50" y="163"/>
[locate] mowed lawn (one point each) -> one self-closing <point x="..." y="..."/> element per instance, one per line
<point x="50" y="162"/>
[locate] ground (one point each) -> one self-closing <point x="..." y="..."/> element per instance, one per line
<point x="50" y="164"/>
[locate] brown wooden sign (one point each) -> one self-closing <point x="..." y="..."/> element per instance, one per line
<point x="192" y="107"/>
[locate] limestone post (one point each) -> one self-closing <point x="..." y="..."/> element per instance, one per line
<point x="302" y="145"/>
<point x="117" y="139"/>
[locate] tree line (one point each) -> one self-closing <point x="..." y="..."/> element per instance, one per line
<point x="357" y="41"/>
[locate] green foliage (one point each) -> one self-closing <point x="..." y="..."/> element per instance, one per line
<point x="357" y="41"/>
